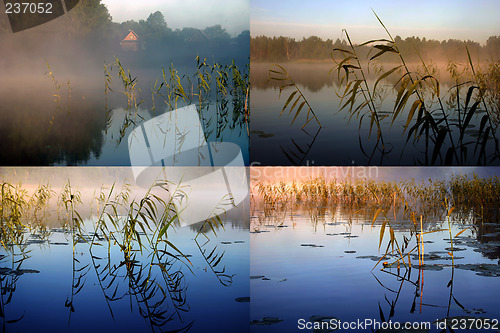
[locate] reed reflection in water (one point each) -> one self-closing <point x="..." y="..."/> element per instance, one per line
<point x="97" y="247"/>
<point x="346" y="242"/>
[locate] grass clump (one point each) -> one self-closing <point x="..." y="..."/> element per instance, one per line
<point x="440" y="125"/>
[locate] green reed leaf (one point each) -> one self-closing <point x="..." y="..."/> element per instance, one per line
<point x="343" y="51"/>
<point x="468" y="118"/>
<point x="469" y="95"/>
<point x="439" y="142"/>
<point x="382" y="230"/>
<point x="294" y="105"/>
<point x="386" y="74"/>
<point x="298" y="111"/>
<point x="485" y="141"/>
<point x="399" y="107"/>
<point x="383" y="49"/>
<point x="288" y="101"/>
<point x="376" y="41"/>
<point x="436" y="82"/>
<point x="381" y="313"/>
<point x="417" y="104"/>
<point x="402" y="88"/>
<point x="376" y="215"/>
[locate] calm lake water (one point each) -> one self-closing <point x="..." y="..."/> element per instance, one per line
<point x="65" y="279"/>
<point x="312" y="261"/>
<point x="303" y="267"/>
<point x="69" y="120"/>
<point x="62" y="291"/>
<point x="274" y="141"/>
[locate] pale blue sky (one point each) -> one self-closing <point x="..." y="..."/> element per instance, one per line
<point x="231" y="14"/>
<point x="435" y="19"/>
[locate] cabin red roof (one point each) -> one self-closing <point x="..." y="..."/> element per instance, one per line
<point x="131" y="37"/>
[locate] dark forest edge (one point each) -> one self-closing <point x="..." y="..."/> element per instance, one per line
<point x="263" y="48"/>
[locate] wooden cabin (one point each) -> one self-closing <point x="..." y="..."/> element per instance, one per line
<point x="197" y="36"/>
<point x="130" y="42"/>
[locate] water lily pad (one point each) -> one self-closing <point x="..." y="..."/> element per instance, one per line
<point x="255" y="277"/>
<point x="439" y="252"/>
<point x="239" y="242"/>
<point x="266" y="135"/>
<point x="390" y="265"/>
<point x="489" y="270"/>
<point x="242" y="299"/>
<point x="312" y="245"/>
<point x="350" y="236"/>
<point x="426" y="267"/>
<point x="59" y="230"/>
<point x="492" y="234"/>
<point x="323" y="318"/>
<point x="375" y="258"/>
<point x="332" y="234"/>
<point x="349" y="251"/>
<point x="368" y="257"/>
<point x="226" y="242"/>
<point x="474" y="311"/>
<point x="434" y="256"/>
<point x="455" y="249"/>
<point x="36" y="241"/>
<point x="9" y="271"/>
<point x="485" y="251"/>
<point x="266" y="321"/>
<point x="258" y="231"/>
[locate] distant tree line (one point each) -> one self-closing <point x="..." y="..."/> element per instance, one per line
<point x="283" y="49"/>
<point x="89" y="26"/>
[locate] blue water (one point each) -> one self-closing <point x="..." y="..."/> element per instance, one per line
<point x="38" y="297"/>
<point x="303" y="281"/>
<point x="340" y="141"/>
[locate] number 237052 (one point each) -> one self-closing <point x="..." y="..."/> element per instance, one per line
<point x="28" y="8"/>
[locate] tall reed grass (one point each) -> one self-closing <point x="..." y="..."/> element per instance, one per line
<point x="413" y="204"/>
<point x="406" y="213"/>
<point x="438" y="121"/>
<point x="149" y="259"/>
<point x="221" y="93"/>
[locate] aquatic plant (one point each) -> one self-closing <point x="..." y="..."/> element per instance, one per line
<point x="406" y="213"/>
<point x="424" y="120"/>
<point x="427" y="119"/>
<point x="152" y="265"/>
<point x="226" y="85"/>
<point x="57" y="95"/>
<point x="278" y="73"/>
<point x="451" y="200"/>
